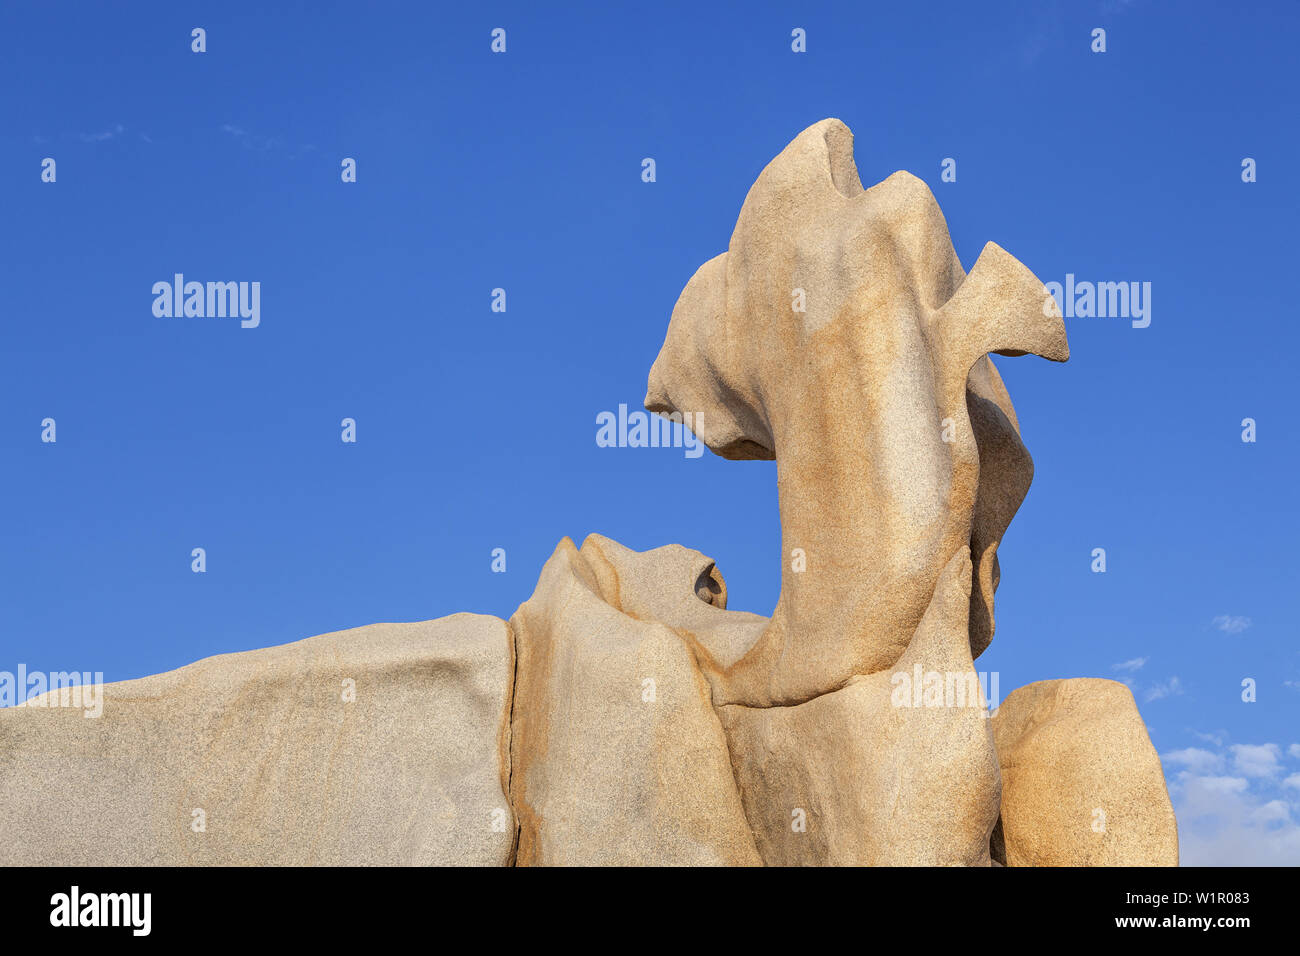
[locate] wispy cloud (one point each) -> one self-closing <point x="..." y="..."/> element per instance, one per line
<point x="1170" y="688"/>
<point x="1231" y="623"/>
<point x="260" y="143"/>
<point x="250" y="140"/>
<point x="1242" y="818"/>
<point x="1195" y="760"/>
<point x="1256" y="760"/>
<point x="1136" y="664"/>
<point x="116" y="130"/>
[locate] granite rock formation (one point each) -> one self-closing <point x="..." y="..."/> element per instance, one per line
<point x="623" y="715"/>
<point x="384" y="744"/>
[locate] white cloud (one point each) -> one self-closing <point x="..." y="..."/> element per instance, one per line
<point x="1275" y="811"/>
<point x="1256" y="760"/>
<point x="1213" y="787"/>
<point x="1222" y="823"/>
<point x="1245" y="818"/>
<point x="1132" y="665"/>
<point x="1169" y="688"/>
<point x="1195" y="759"/>
<point x="1231" y="623"/>
<point x="1294" y="750"/>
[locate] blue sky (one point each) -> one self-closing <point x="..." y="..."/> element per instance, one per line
<point x="476" y="429"/>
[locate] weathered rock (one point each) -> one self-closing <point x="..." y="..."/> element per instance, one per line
<point x="652" y="586"/>
<point x="625" y="716"/>
<point x="1081" y="783"/>
<point x="883" y="771"/>
<point x="877" y="400"/>
<point x="617" y="755"/>
<point x="256" y="758"/>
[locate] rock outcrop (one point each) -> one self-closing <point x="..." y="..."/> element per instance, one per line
<point x="617" y="754"/>
<point x="624" y="715"/>
<point x="878" y="402"/>
<point x="385" y="744"/>
<point x="872" y="774"/>
<point x="1081" y="783"/>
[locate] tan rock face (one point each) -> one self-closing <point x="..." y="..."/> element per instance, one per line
<point x="877" y="401"/>
<point x="617" y="755"/>
<point x="1081" y="783"/>
<point x="625" y="715"/>
<point x="257" y="758"/>
<point x="840" y="335"/>
<point x="880" y="772"/>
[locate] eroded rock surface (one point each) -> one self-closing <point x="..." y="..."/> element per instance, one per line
<point x="873" y="773"/>
<point x="257" y="758"/>
<point x="625" y="715"/>
<point x="1081" y="783"/>
<point x="618" y="757"/>
<point x="877" y="400"/>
